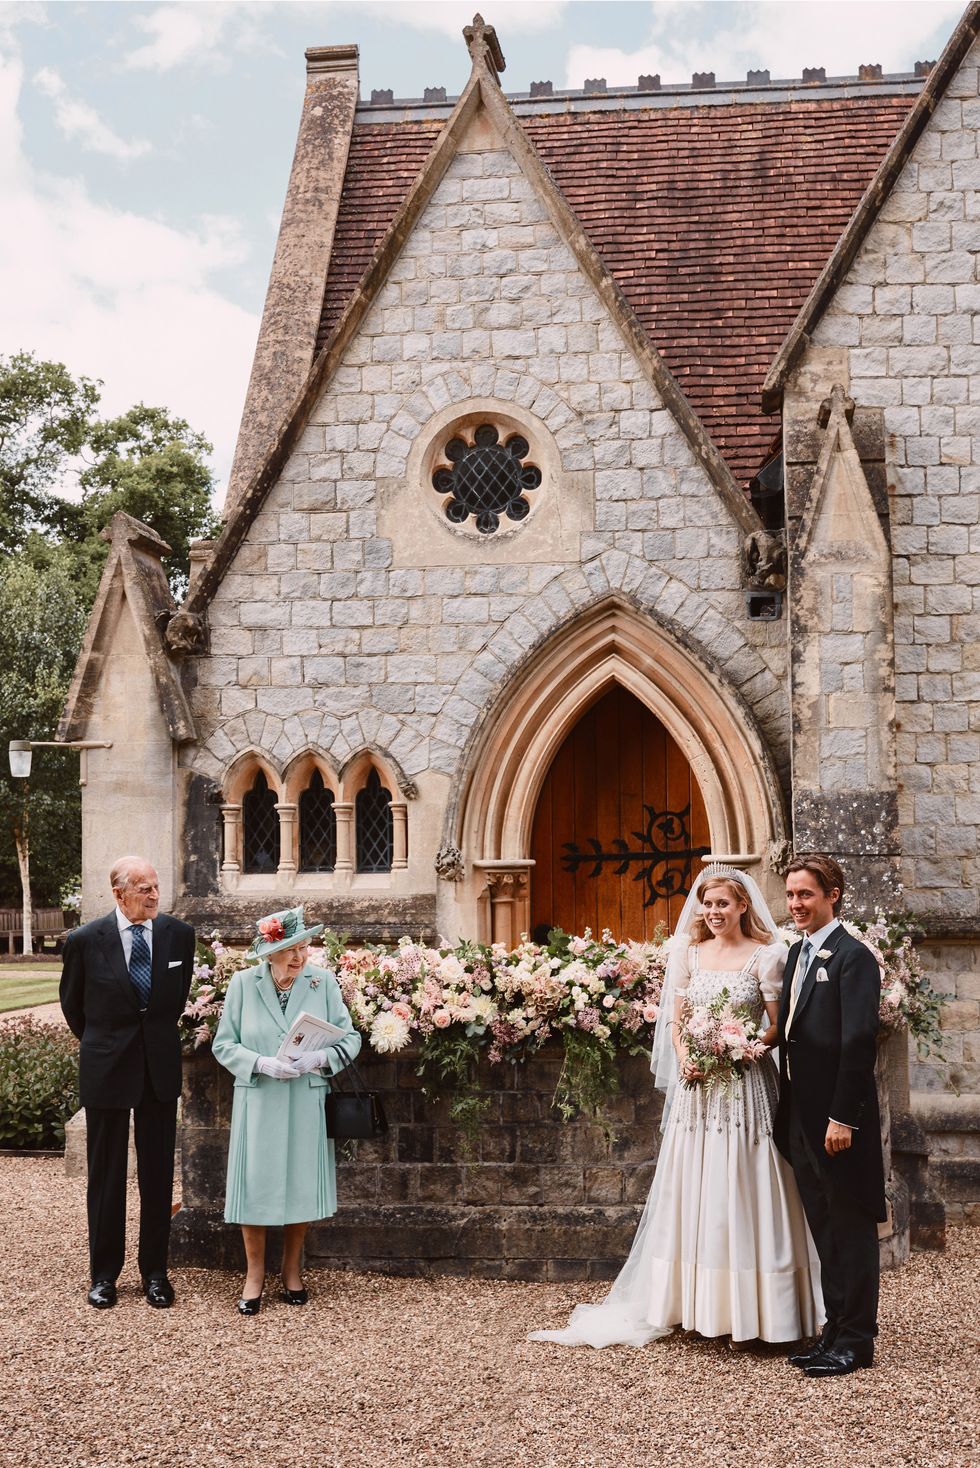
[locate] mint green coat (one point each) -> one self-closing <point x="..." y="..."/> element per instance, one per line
<point x="280" y="1161"/>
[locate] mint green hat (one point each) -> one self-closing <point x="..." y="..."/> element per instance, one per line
<point x="282" y="930"/>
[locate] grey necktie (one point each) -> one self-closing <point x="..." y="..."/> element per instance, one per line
<point x="801" y="968"/>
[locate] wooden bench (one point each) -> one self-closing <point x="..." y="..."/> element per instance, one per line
<point x="49" y="926"/>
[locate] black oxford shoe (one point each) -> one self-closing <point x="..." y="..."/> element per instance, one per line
<point x="838" y="1363"/>
<point x="102" y="1295"/>
<point x="822" y="1344"/>
<point x="159" y="1291"/>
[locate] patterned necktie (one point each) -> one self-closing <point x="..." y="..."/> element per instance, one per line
<point x="139" y="964"/>
<point x="801" y="968"/>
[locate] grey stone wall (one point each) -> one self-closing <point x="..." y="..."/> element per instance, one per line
<point x="904" y="332"/>
<point x="355" y="617"/>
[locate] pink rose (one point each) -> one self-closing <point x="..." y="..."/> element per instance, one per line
<point x="650" y="1013"/>
<point x="402" y="1011"/>
<point x="442" y="1018"/>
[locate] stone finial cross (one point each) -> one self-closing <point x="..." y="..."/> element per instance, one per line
<point x="483" y="46"/>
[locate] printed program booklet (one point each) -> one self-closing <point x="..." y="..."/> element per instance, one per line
<point x="308" y="1032"/>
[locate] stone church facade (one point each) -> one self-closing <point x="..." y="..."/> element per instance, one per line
<point x="606" y="500"/>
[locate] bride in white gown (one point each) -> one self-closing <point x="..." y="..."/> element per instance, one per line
<point x="722" y="1247"/>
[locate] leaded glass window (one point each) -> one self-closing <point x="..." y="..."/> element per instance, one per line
<point x="486" y="478"/>
<point x="373" y="826"/>
<point x="317" y="827"/>
<point x="260" y="829"/>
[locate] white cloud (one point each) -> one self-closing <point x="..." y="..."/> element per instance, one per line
<point x="780" y="36"/>
<point x="198" y="34"/>
<point x="508" y="17"/>
<point x="80" y="122"/>
<point x="119" y="296"/>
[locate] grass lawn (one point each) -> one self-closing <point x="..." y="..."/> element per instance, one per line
<point x="24" y="985"/>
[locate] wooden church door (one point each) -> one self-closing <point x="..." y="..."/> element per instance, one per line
<point x="619" y="828"/>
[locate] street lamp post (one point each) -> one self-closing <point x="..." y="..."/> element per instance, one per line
<point x="19" y="753"/>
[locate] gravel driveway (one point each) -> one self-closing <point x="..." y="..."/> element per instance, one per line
<point x="387" y="1373"/>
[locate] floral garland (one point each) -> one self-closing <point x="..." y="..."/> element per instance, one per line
<point x="598" y="998"/>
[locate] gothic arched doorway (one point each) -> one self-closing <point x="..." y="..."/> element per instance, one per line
<point x="620" y="825"/>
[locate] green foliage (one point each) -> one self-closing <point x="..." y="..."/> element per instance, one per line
<point x="38" y="1083"/>
<point x="589" y="1077"/>
<point x="448" y="1067"/>
<point x="64" y="473"/>
<point x="45" y="416"/>
<point x="42" y="619"/>
<point x="147" y="462"/>
<point x="153" y="466"/>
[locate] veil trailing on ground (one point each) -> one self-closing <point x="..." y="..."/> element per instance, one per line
<point x="663" y="1059"/>
<point x="621" y="1318"/>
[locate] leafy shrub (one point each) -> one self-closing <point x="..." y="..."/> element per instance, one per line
<point x="38" y="1083"/>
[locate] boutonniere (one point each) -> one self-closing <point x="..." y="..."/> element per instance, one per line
<point x="825" y="953"/>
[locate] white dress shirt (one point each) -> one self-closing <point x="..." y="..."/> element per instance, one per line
<point x="126" y="933"/>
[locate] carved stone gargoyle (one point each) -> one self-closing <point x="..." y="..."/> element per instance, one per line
<point x="764" y="560"/>
<point x="186" y="635"/>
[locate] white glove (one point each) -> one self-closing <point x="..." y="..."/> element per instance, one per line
<point x="312" y="1060"/>
<point x="279" y="1070"/>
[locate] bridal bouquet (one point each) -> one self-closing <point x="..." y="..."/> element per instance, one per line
<point x="721" y="1040"/>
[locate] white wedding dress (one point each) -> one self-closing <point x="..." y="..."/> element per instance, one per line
<point x="722" y="1247"/>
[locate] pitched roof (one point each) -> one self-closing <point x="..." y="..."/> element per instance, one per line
<point x="869" y="206"/>
<point x="134" y="571"/>
<point x="482" y="91"/>
<point x="714" y="221"/>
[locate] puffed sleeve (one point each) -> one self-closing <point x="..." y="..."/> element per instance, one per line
<point x="683" y="973"/>
<point x="772" y="962"/>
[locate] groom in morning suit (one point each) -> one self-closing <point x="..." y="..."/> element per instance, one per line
<point x="124" y="985"/>
<point x="827" y="1120"/>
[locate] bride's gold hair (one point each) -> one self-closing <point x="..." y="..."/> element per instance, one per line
<point x="751" y="925"/>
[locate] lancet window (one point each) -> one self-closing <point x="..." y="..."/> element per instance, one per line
<point x="317" y="827"/>
<point x="260" y="829"/>
<point x="373" y="826"/>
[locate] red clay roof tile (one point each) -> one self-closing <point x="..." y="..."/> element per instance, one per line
<point x="714" y="221"/>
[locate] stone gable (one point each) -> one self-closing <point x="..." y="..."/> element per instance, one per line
<point x="353" y="616"/>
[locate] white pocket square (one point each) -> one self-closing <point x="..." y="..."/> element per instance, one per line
<point x="822" y="976"/>
<point x="175" y="963"/>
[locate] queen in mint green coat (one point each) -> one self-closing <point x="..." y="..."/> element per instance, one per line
<point x="280" y="1160"/>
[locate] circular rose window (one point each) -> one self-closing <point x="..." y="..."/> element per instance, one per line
<point x="486" y="478"/>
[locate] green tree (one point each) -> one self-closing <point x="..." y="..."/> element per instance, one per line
<point x="153" y="466"/>
<point x="42" y="620"/>
<point x="45" y="418"/>
<point x="64" y="472"/>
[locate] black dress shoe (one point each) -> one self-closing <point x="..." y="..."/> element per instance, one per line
<point x="159" y="1291"/>
<point x="250" y="1307"/>
<point x="838" y="1363"/>
<point x="102" y="1294"/>
<point x="294" y="1297"/>
<point x="823" y="1343"/>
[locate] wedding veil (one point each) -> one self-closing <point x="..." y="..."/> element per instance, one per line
<point x="663" y="1059"/>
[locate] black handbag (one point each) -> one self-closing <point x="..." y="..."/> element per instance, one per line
<point x="356" y="1115"/>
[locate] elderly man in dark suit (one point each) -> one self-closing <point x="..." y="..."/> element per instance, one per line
<point x="827" y="1121"/>
<point x="124" y="985"/>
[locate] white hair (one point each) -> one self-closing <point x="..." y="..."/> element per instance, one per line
<point x="122" y="871"/>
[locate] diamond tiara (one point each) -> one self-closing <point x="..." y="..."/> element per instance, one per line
<point x="717" y="870"/>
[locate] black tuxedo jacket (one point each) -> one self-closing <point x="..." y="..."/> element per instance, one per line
<point x="831" y="1050"/>
<point x="119" y="1045"/>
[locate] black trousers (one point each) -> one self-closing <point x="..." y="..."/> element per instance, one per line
<point x="155" y="1128"/>
<point x="846" y="1239"/>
